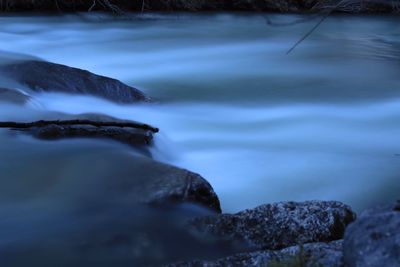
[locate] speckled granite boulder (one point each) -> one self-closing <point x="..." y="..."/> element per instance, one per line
<point x="374" y="239"/>
<point x="279" y="225"/>
<point x="313" y="254"/>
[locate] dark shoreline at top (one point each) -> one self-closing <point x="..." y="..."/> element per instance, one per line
<point x="284" y="6"/>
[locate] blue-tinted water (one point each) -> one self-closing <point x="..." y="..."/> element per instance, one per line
<point x="260" y="125"/>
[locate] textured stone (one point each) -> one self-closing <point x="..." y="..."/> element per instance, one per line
<point x="131" y="136"/>
<point x="373" y="240"/>
<point x="312" y="254"/>
<point x="279" y="225"/>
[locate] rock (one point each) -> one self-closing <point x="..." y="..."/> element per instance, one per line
<point x="113" y="170"/>
<point x="128" y="132"/>
<point x="130" y="136"/>
<point x="173" y="185"/>
<point x="279" y="225"/>
<point x="41" y="76"/>
<point x="312" y="254"/>
<point x="90" y="203"/>
<point x="13" y="96"/>
<point x="373" y="240"/>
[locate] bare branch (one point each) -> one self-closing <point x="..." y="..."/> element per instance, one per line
<point x="92" y="6"/>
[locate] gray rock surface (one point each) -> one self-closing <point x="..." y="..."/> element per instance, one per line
<point x="13" y="96"/>
<point x="41" y="76"/>
<point x="312" y="254"/>
<point x="279" y="225"/>
<point x="373" y="240"/>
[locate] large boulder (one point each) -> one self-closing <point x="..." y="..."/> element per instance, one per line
<point x="279" y="225"/>
<point x="42" y="76"/>
<point x="373" y="240"/>
<point x="113" y="170"/>
<point x="91" y="202"/>
<point x="308" y="255"/>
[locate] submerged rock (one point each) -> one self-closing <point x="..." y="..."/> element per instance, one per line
<point x="13" y="96"/>
<point x="42" y="76"/>
<point x="280" y="225"/>
<point x="174" y="185"/>
<point x="373" y="240"/>
<point x="308" y="255"/>
<point x="92" y="203"/>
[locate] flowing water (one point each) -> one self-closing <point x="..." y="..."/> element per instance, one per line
<point x="322" y="122"/>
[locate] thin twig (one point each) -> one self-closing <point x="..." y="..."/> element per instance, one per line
<point x="308" y="33"/>
<point x="143" y="3"/>
<point x="305" y="36"/>
<point x="92" y="6"/>
<point x="58" y="6"/>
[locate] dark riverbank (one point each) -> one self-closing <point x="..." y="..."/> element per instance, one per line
<point x="285" y="6"/>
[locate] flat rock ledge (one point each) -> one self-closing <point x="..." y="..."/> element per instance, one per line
<point x="373" y="240"/>
<point x="42" y="76"/>
<point x="131" y="133"/>
<point x="279" y="225"/>
<point x="309" y="255"/>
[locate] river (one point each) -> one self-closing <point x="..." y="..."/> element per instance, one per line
<point x="322" y="122"/>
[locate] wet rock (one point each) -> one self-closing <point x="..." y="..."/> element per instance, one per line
<point x="130" y="136"/>
<point x="75" y="168"/>
<point x="90" y="203"/>
<point x="127" y="132"/>
<point x="41" y="76"/>
<point x="174" y="185"/>
<point x="13" y="96"/>
<point x="279" y="225"/>
<point x="148" y="181"/>
<point x="373" y="240"/>
<point x="312" y="254"/>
